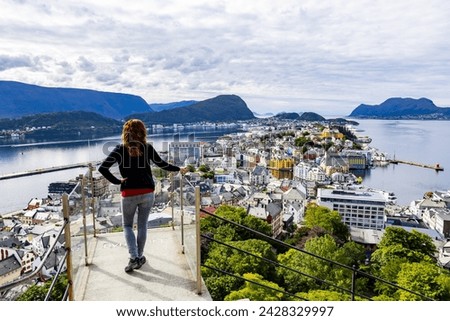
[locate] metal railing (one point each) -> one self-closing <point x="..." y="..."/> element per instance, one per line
<point x="65" y="261"/>
<point x="355" y="273"/>
<point x="72" y="204"/>
<point x="185" y="219"/>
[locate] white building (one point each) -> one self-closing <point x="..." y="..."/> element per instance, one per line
<point x="444" y="255"/>
<point x="419" y="207"/>
<point x="259" y="176"/>
<point x="363" y="209"/>
<point x="224" y="178"/>
<point x="438" y="219"/>
<point x="294" y="203"/>
<point x="180" y="151"/>
<point x="310" y="172"/>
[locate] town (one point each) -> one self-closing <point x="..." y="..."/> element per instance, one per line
<point x="273" y="168"/>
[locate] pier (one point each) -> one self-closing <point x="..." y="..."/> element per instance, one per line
<point x="43" y="170"/>
<point x="436" y="167"/>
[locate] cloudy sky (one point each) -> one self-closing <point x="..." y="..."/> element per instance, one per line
<point x="323" y="56"/>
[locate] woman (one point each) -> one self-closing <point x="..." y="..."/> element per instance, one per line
<point x="133" y="157"/>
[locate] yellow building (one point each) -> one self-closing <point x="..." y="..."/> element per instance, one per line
<point x="282" y="168"/>
<point x="331" y="133"/>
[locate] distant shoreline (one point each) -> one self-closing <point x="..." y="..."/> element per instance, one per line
<point x="398" y="118"/>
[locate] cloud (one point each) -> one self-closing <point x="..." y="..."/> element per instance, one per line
<point x="10" y="62"/>
<point x="66" y="68"/>
<point x="327" y="56"/>
<point x="122" y="57"/>
<point x="85" y="64"/>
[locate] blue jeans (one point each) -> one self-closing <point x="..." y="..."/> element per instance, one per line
<point x="143" y="204"/>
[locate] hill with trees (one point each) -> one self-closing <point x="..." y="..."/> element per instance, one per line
<point x="160" y="107"/>
<point x="70" y="123"/>
<point x="223" y="108"/>
<point x="309" y="116"/>
<point x="287" y="116"/>
<point x="402" y="108"/>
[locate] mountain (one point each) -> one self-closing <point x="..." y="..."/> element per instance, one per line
<point x="160" y="107"/>
<point x="222" y="108"/>
<point x="68" y="123"/>
<point x="309" y="116"/>
<point x="313" y="117"/>
<point x="402" y="108"/>
<point x="19" y="99"/>
<point x="265" y="115"/>
<point x="288" y="116"/>
<point x="342" y="121"/>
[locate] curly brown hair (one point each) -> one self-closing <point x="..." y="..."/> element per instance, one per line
<point x="134" y="136"/>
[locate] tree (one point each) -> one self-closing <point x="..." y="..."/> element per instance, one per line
<point x="221" y="285"/>
<point x="383" y="297"/>
<point x="385" y="254"/>
<point x="414" y="240"/>
<point x="208" y="175"/>
<point x="302" y="141"/>
<point x="226" y="233"/>
<point x="396" y="248"/>
<point x="316" y="268"/>
<point x="204" y="168"/>
<point x="238" y="215"/>
<point x="38" y="292"/>
<point x="254" y="292"/>
<point x="297" y="236"/>
<point x="324" y="295"/>
<point x="233" y="261"/>
<point x="255" y="224"/>
<point x="243" y="263"/>
<point x="237" y="262"/>
<point x="425" y="278"/>
<point x="327" y="219"/>
<point x="328" y="146"/>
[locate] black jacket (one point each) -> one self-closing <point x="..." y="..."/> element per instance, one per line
<point x="136" y="170"/>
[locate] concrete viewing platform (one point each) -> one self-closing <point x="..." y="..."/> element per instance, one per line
<point x="165" y="277"/>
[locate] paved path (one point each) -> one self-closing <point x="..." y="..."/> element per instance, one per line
<point x="165" y="277"/>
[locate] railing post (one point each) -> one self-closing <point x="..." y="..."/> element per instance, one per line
<point x="172" y="193"/>
<point x="83" y="209"/>
<point x="91" y="174"/>
<point x="354" y="273"/>
<point x="198" y="240"/>
<point x="68" y="244"/>
<point x="182" y="213"/>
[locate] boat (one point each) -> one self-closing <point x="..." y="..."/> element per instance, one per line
<point x="17" y="135"/>
<point x="390" y="197"/>
<point x="380" y="159"/>
<point x="363" y="140"/>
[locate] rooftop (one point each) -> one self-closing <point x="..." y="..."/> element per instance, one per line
<point x="352" y="194"/>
